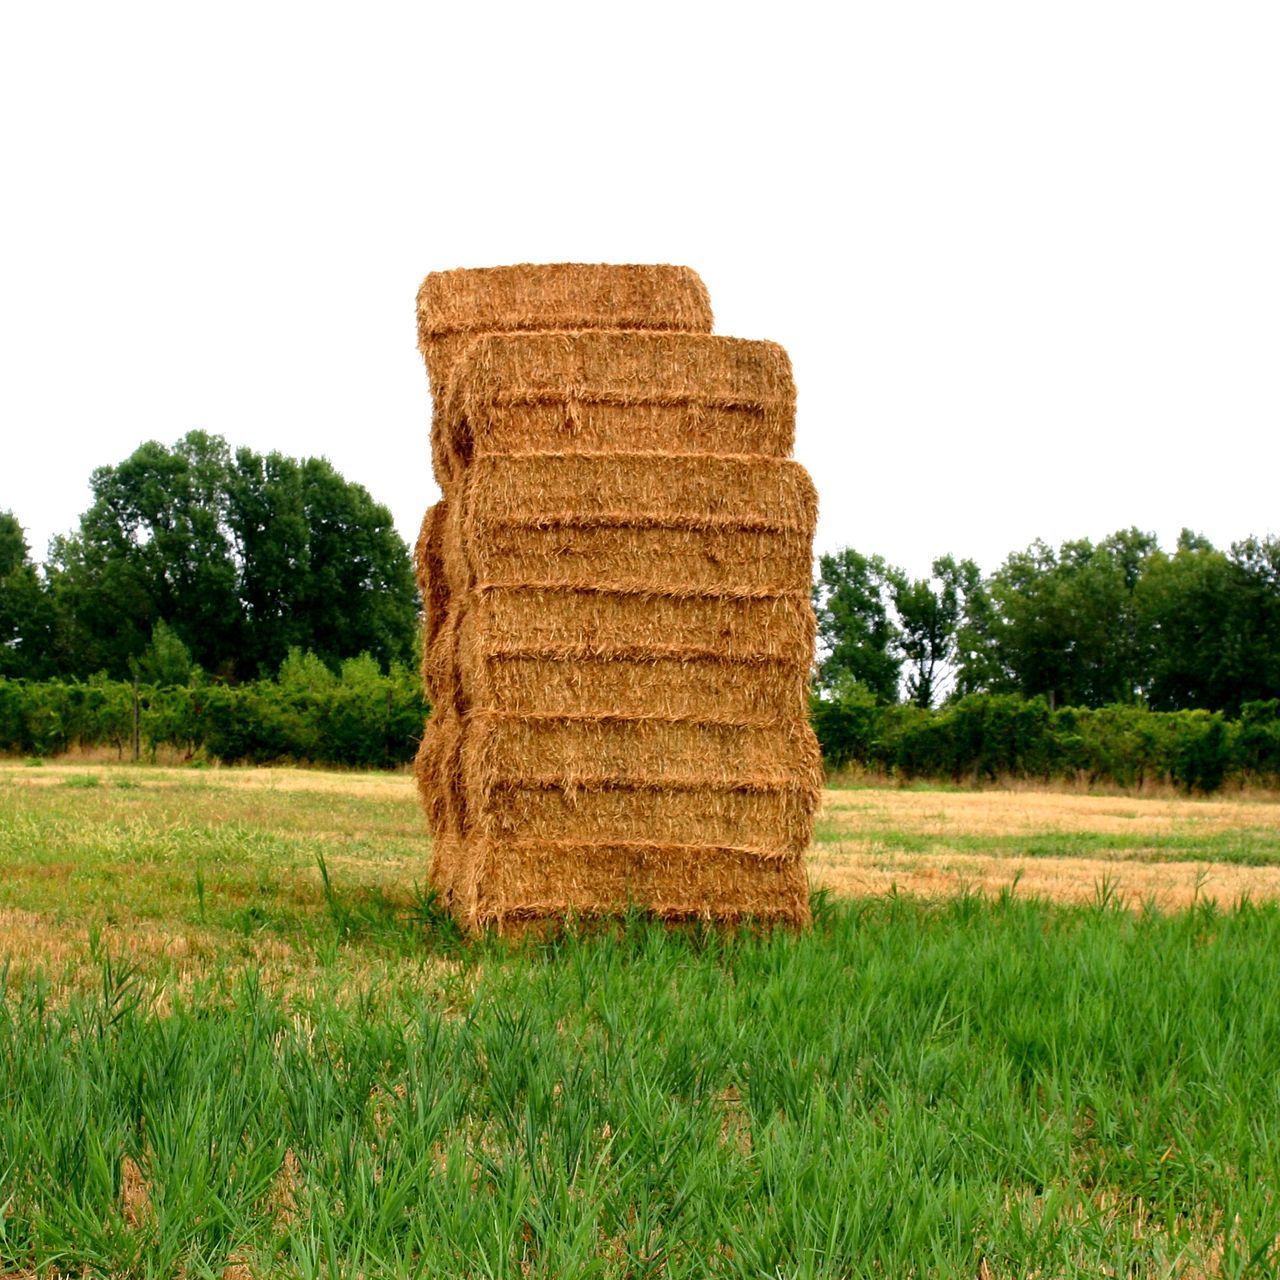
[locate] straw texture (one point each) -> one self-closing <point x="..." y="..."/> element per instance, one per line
<point x="456" y="306"/>
<point x="597" y="392"/>
<point x="618" y="631"/>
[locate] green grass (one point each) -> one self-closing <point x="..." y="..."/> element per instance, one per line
<point x="908" y="1090"/>
<point x="236" y="1031"/>
<point x="130" y="849"/>
<point x="1242" y="846"/>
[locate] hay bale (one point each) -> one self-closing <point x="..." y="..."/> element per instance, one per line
<point x="433" y="585"/>
<point x="714" y="752"/>
<point x="619" y="633"/>
<point x="637" y="520"/>
<point x="773" y="820"/>
<point x="454" y="307"/>
<point x="573" y="622"/>
<point x="668" y="685"/>
<point x="512" y="880"/>
<point x="606" y="392"/>
<point x="556" y="645"/>
<point x="633" y="490"/>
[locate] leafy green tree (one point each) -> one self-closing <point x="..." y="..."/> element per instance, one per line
<point x="153" y="546"/>
<point x="857" y="638"/>
<point x="308" y="541"/>
<point x="240" y="558"/>
<point x="1210" y="620"/>
<point x="25" y="611"/>
<point x="165" y="660"/>
<point x="1062" y="625"/>
<point x="1257" y="561"/>
<point x="928" y="614"/>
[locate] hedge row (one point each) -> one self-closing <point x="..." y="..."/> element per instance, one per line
<point x="988" y="736"/>
<point x="359" y="717"/>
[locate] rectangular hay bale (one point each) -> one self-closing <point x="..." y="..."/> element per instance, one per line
<point x="433" y="583"/>
<point x="775" y="821"/>
<point x="635" y="520"/>
<point x="456" y="306"/>
<point x="505" y="882"/>
<point x="593" y="751"/>
<point x="569" y="651"/>
<point x="592" y="622"/>
<point x="676" y="490"/>
<point x="672" y="687"/>
<point x="754" y="562"/>
<point x="615" y="393"/>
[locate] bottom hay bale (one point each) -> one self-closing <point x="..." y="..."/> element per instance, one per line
<point x="537" y="817"/>
<point x="496" y="883"/>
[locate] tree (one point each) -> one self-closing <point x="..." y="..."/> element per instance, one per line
<point x="165" y="660"/>
<point x="1257" y="562"/>
<point x="240" y="559"/>
<point x="857" y="639"/>
<point x="26" y="616"/>
<point x="928" y="612"/>
<point x="308" y="541"/>
<point x="152" y="547"/>
<point x="1061" y="625"/>
<point x="1210" y="621"/>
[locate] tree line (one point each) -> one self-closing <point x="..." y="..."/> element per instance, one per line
<point x="1120" y="621"/>
<point x="210" y="579"/>
<point x="195" y="556"/>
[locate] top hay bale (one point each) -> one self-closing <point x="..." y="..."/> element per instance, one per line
<point x="454" y="307"/>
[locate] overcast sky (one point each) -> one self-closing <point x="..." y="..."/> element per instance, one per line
<point x="1025" y="257"/>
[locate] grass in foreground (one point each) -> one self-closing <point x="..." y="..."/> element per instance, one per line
<point x="1002" y="1089"/>
<point x="238" y="1039"/>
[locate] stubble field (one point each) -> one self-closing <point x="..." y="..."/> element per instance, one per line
<point x="1029" y="1034"/>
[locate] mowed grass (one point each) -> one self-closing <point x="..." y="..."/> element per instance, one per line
<point x="238" y="1039"/>
<point x="1169" y="852"/>
<point x="186" y="870"/>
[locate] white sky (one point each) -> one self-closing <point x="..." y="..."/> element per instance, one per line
<point x="1025" y="257"/>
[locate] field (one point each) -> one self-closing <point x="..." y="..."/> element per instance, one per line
<point x="238" y="1039"/>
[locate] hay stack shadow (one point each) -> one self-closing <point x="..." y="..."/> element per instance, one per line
<point x="616" y="594"/>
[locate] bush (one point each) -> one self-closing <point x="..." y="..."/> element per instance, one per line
<point x="359" y="717"/>
<point x="1257" y="739"/>
<point x="990" y="736"/>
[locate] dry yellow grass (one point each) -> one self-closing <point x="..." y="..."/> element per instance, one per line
<point x="1018" y="812"/>
<point x="1167" y="885"/>
<point x="1067" y="847"/>
<point x="384" y="786"/>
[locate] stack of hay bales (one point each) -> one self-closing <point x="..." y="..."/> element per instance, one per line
<point x="616" y="585"/>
